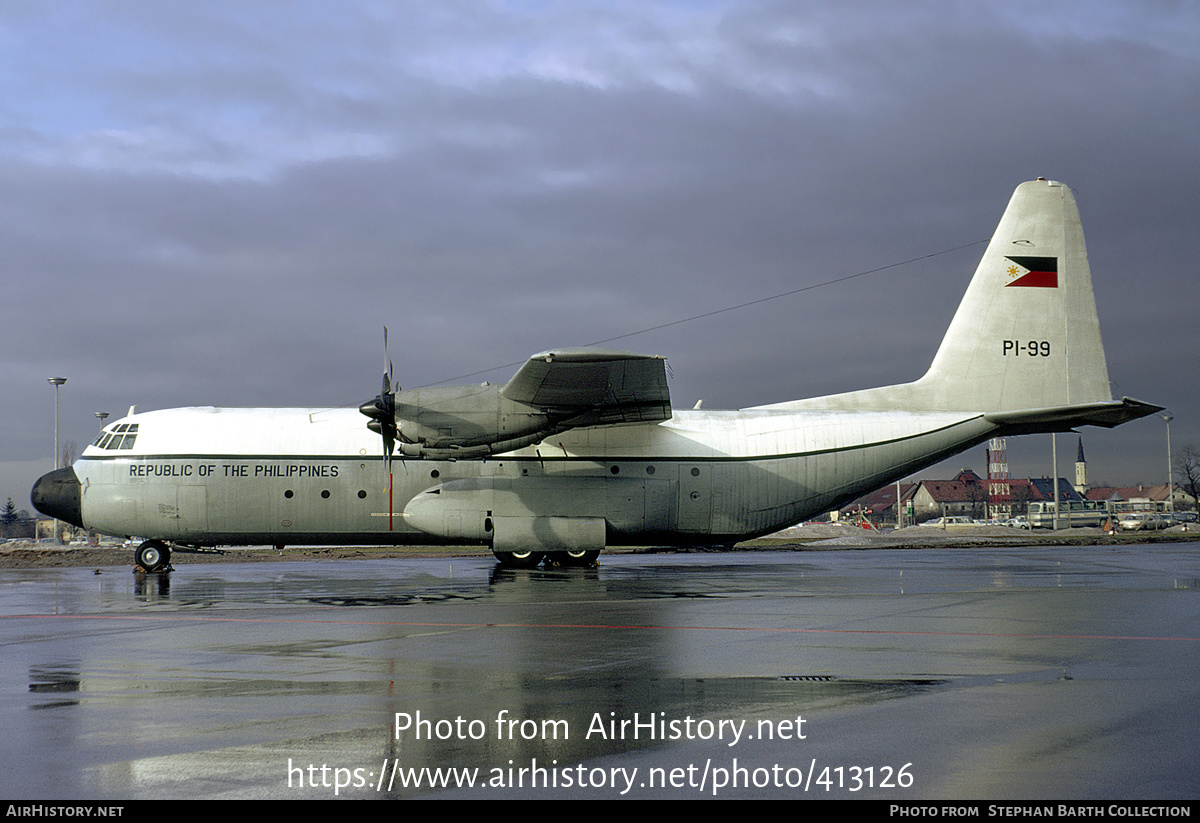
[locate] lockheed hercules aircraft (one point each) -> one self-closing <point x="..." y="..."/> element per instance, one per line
<point x="580" y="449"/>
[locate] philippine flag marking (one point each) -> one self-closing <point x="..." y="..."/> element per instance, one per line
<point x="1033" y="272"/>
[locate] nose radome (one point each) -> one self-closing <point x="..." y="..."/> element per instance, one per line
<point x="57" y="495"/>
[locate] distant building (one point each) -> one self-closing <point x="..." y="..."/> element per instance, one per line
<point x="44" y="528"/>
<point x="19" y="530"/>
<point x="1041" y="490"/>
<point x="880" y="505"/>
<point x="964" y="495"/>
<point x="1181" y="500"/>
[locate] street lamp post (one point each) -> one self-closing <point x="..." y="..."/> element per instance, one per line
<point x="1054" y="471"/>
<point x="1167" y="418"/>
<point x="56" y="382"/>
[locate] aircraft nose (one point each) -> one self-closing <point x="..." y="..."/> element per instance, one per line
<point x="57" y="495"/>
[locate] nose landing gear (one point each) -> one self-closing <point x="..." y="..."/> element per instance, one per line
<point x="153" y="556"/>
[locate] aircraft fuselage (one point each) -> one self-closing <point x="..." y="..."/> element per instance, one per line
<point x="305" y="476"/>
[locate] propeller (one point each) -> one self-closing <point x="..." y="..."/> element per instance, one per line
<point x="382" y="410"/>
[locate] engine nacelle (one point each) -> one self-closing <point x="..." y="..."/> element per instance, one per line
<point x="456" y="417"/>
<point x="552" y="392"/>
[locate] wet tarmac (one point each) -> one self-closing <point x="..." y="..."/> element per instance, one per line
<point x="1047" y="673"/>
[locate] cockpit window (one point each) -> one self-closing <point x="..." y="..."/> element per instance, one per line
<point x="121" y="436"/>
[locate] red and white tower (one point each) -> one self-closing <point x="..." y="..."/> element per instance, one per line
<point x="999" y="488"/>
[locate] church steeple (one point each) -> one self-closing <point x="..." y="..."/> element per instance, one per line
<point x="1081" y="484"/>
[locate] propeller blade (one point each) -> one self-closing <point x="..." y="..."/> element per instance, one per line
<point x="387" y="365"/>
<point x="382" y="410"/>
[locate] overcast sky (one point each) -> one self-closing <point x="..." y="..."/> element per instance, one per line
<point x="223" y="203"/>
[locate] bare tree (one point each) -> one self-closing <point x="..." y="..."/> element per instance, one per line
<point x="977" y="497"/>
<point x="1019" y="501"/>
<point x="1187" y="467"/>
<point x="70" y="451"/>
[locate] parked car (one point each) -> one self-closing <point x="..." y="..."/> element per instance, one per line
<point x="942" y="522"/>
<point x="1144" y="521"/>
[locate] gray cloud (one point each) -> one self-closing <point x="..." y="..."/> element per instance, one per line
<point x="206" y="203"/>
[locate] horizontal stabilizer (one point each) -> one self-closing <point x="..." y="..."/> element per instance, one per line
<point x="1063" y="418"/>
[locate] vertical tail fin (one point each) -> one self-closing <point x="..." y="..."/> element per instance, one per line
<point x="1026" y="334"/>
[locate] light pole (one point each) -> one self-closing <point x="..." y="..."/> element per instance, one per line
<point x="1054" y="471"/>
<point x="1167" y="418"/>
<point x="56" y="382"/>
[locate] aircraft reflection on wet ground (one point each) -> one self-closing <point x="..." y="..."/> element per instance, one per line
<point x="950" y="673"/>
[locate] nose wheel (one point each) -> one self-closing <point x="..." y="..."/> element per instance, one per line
<point x="153" y="556"/>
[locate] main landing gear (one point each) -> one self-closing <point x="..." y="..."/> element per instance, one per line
<point x="532" y="559"/>
<point x="579" y="558"/>
<point x="520" y="560"/>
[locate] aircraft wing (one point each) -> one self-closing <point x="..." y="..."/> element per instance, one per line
<point x="602" y="385"/>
